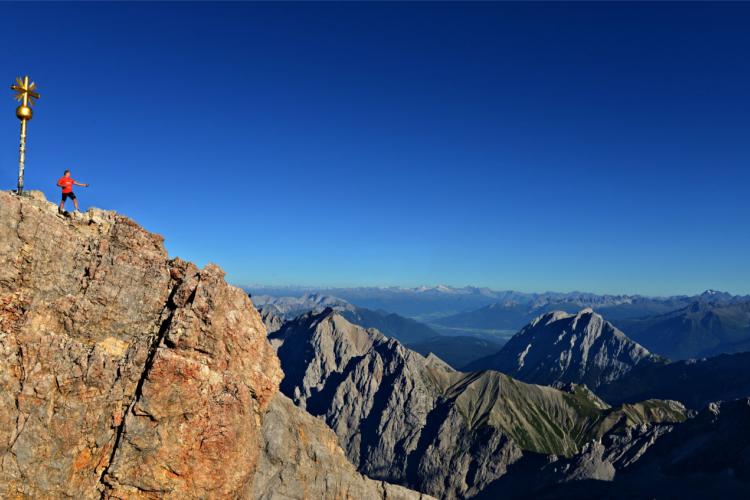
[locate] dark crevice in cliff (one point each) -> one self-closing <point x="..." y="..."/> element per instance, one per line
<point x="429" y="432"/>
<point x="22" y="418"/>
<point x="22" y="268"/>
<point x="369" y="427"/>
<point x="320" y="400"/>
<point x="168" y="315"/>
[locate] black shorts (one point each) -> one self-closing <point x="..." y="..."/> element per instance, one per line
<point x="70" y="195"/>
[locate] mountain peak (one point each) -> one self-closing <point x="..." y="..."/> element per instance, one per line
<point x="562" y="347"/>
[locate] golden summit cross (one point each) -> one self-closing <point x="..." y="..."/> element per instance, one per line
<point x="26" y="94"/>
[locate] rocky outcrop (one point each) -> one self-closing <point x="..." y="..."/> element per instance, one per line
<point x="558" y="347"/>
<point x="126" y="374"/>
<point x="415" y="421"/>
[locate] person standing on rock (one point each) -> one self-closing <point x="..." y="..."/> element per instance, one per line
<point x="66" y="182"/>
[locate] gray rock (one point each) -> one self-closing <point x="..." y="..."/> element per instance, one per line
<point x="301" y="459"/>
<point x="272" y="317"/>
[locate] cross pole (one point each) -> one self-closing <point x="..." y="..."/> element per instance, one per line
<point x="26" y="94"/>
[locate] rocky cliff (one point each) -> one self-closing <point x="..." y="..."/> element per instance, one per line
<point x="125" y="373"/>
<point x="558" y="347"/>
<point x="415" y="421"/>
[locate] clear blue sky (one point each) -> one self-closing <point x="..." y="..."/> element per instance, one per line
<point x="602" y="147"/>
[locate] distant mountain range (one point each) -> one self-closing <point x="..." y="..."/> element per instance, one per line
<point x="703" y="328"/>
<point x="418" y="303"/>
<point x="483" y="308"/>
<point x="455" y="350"/>
<point x="288" y="307"/>
<point x="513" y="314"/>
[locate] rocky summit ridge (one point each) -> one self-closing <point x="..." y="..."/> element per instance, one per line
<point x="129" y="374"/>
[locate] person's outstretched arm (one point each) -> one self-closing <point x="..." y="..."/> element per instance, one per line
<point x="80" y="184"/>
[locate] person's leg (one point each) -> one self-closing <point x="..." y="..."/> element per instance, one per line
<point x="62" y="203"/>
<point x="75" y="203"/>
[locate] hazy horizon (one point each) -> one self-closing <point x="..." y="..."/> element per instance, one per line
<point x="314" y="288"/>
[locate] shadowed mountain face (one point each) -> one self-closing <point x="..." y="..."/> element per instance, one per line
<point x="694" y="383"/>
<point x="698" y="330"/>
<point x="562" y="348"/>
<point x="706" y="457"/>
<point x="716" y="443"/>
<point x="415" y="421"/>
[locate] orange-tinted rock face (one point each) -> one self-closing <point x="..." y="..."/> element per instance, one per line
<point x="122" y="373"/>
